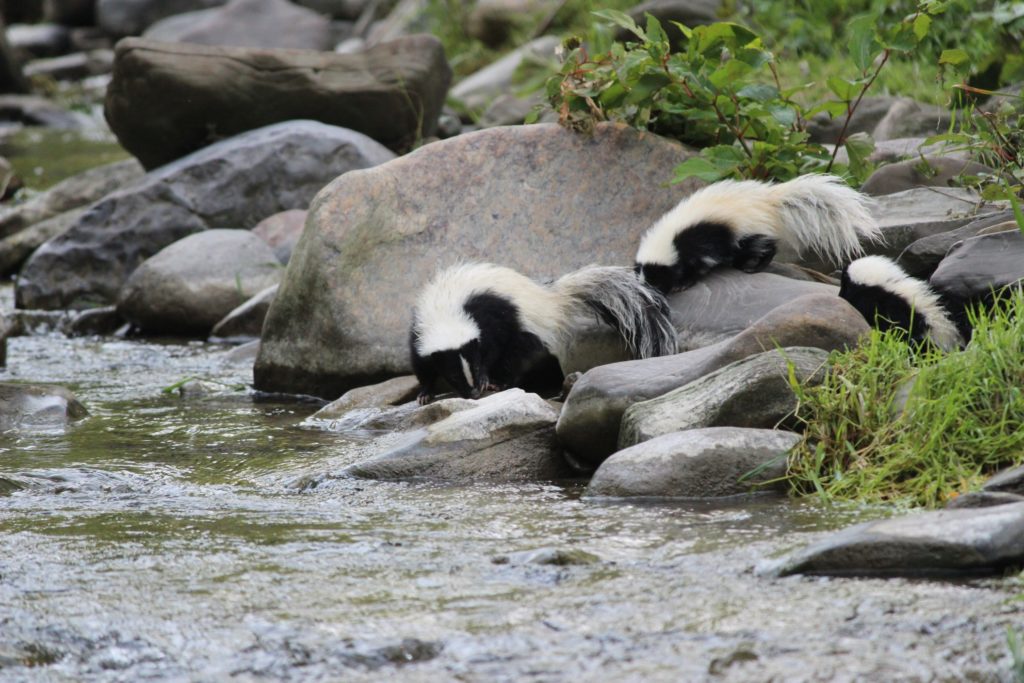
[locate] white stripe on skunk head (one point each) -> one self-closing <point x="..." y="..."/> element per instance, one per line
<point x="884" y="273"/>
<point x="441" y="322"/>
<point x="746" y="206"/>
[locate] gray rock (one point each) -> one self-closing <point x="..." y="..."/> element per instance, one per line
<point x="11" y="78"/>
<point x="729" y="301"/>
<point x="943" y="543"/>
<point x="248" y="23"/>
<point x="977" y="266"/>
<point x="507" y="436"/>
<point x="686" y="12"/>
<point x="891" y="151"/>
<point x="282" y="231"/>
<point x="555" y="557"/>
<point x="17" y="248"/>
<point x="588" y="426"/>
<point x="752" y="392"/>
<point x="476" y="91"/>
<point x="908" y="216"/>
<point x="245" y="322"/>
<point x="244" y="354"/>
<point x="35" y="406"/>
<point x="190" y="285"/>
<point x="94" y="321"/>
<point x="166" y="100"/>
<point x="131" y="17"/>
<point x="30" y="110"/>
<point x="341" y="318"/>
<point x="73" y="67"/>
<point x="825" y="129"/>
<point x="10" y="182"/>
<point x="406" y="17"/>
<point x="983" y="499"/>
<point x="275" y="168"/>
<point x="929" y="172"/>
<point x="339" y="9"/>
<point x="70" y="12"/>
<point x="922" y="256"/>
<point x="387" y="394"/>
<point x="38" y="40"/>
<point x="697" y="463"/>
<point x="76" y="191"/>
<point x="907" y="118"/>
<point x="492" y="21"/>
<point x="511" y="110"/>
<point x="1007" y="481"/>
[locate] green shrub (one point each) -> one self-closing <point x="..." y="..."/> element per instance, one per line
<point x="891" y="424"/>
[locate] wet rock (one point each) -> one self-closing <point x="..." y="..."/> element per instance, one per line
<point x="94" y="321"/>
<point x="686" y="12"/>
<point x="30" y="323"/>
<point x="248" y="23"/>
<point x="943" y="543"/>
<point x="281" y="231"/>
<point x="1007" y="481"/>
<point x="555" y="557"/>
<point x="76" y="191"/>
<point x="30" y="110"/>
<point x="131" y="17"/>
<point x="825" y="129"/>
<point x="73" y="67"/>
<point x="977" y="266"/>
<point x="922" y="256"/>
<point x="166" y="100"/>
<point x="697" y="463"/>
<point x="11" y="78"/>
<point x="245" y="322"/>
<point x="275" y="168"/>
<point x="38" y="40"/>
<point x="17" y="248"/>
<point x="588" y="426"/>
<point x="908" y="118"/>
<point x="343" y="321"/>
<point x="752" y="392"/>
<point x="930" y="172"/>
<point x="36" y="406"/>
<point x="908" y="216"/>
<point x="507" y="436"/>
<point x="389" y="393"/>
<point x="983" y="499"/>
<point x="188" y="286"/>
<point x="477" y="90"/>
<point x="70" y="12"/>
<point x="243" y="354"/>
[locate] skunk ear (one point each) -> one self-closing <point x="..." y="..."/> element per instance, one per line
<point x="754" y="253"/>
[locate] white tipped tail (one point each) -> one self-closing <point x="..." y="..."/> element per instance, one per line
<point x="824" y="214"/>
<point x="638" y="312"/>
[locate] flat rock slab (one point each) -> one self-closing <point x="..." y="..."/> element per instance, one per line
<point x="976" y="266"/>
<point x="539" y="198"/>
<point x="922" y="257"/>
<point x="507" y="436"/>
<point x="167" y="100"/>
<point x="697" y="463"/>
<point x="235" y="183"/>
<point x="753" y="392"/>
<point x="36" y="406"/>
<point x="390" y="393"/>
<point x="943" y="543"/>
<point x="589" y="424"/>
<point x="249" y="23"/>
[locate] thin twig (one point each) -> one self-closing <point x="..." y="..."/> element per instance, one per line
<point x="851" y="109"/>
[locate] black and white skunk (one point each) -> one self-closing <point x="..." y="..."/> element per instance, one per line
<point x="738" y="223"/>
<point x="480" y="326"/>
<point x="887" y="297"/>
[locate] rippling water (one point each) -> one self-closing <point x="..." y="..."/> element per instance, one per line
<point x="206" y="537"/>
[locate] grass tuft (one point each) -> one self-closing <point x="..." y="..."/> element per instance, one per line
<point x="915" y="427"/>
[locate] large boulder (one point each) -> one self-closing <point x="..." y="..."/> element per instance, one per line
<point x="753" y="392"/>
<point x="589" y="424"/>
<point x="166" y="100"/>
<point x="234" y="183"/>
<point x="187" y="287"/>
<point x="539" y="199"/>
<point x="976" y="267"/>
<point x="697" y="463"/>
<point x="17" y="248"/>
<point x="131" y="17"/>
<point x="922" y="256"/>
<point x="943" y="543"/>
<point x="248" y="23"/>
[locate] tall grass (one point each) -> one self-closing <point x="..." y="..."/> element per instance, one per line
<point x="915" y="427"/>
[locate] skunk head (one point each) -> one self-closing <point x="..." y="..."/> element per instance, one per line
<point x="688" y="255"/>
<point x="461" y="368"/>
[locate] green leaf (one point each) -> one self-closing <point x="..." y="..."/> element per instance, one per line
<point x="921" y="25"/>
<point x="655" y="34"/>
<point x="954" y="57"/>
<point x="726" y="33"/>
<point x="621" y="19"/>
<point x="697" y="167"/>
<point x="613" y="95"/>
<point x="843" y="89"/>
<point x="645" y="88"/>
<point x="783" y="114"/>
<point x="1018" y="215"/>
<point x="859" y="146"/>
<point x="863" y="44"/>
<point x="684" y="29"/>
<point x="729" y="73"/>
<point x="833" y="109"/>
<point x="759" y="91"/>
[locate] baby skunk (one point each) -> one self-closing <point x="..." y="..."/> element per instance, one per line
<point x="887" y="297"/>
<point x="480" y="326"/>
<point x="738" y="223"/>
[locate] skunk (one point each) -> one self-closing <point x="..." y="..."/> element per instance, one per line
<point x="738" y="223"/>
<point x="480" y="326"/>
<point x="887" y="297"/>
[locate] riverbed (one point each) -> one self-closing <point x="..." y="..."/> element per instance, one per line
<point x="205" y="535"/>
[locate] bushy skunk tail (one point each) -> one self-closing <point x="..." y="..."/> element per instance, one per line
<point x="638" y="312"/>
